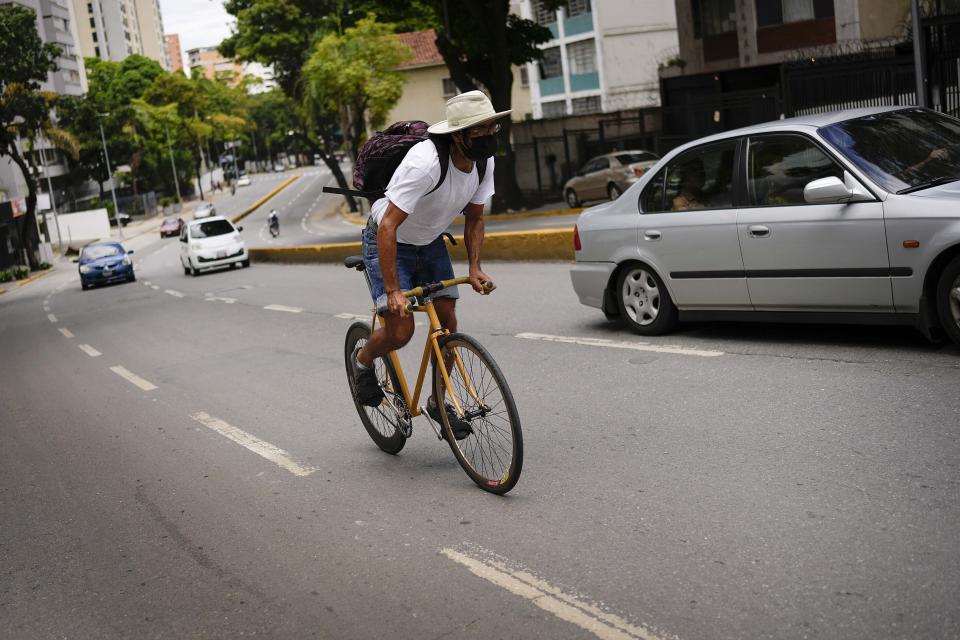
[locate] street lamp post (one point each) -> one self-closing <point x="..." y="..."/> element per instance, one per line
<point x="53" y="202"/>
<point x="113" y="190"/>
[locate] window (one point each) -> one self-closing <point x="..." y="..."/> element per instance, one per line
<point x="211" y="228"/>
<point x="701" y="179"/>
<point x="554" y="109"/>
<point x="99" y="251"/>
<point x="651" y="201"/>
<point x="775" y="12"/>
<point x="524" y="77"/>
<point x="449" y="88"/>
<point x="96" y="51"/>
<point x="542" y="14"/>
<point x="589" y="104"/>
<point x="629" y="157"/>
<point x="577" y="7"/>
<point x="714" y="17"/>
<point x="582" y="56"/>
<point x="551" y="65"/>
<point x="779" y="167"/>
<point x="95" y="37"/>
<point x="93" y="25"/>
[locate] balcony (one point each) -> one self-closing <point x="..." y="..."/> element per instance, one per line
<point x="551" y="86"/>
<point x="584" y="81"/>
<point x="576" y="25"/>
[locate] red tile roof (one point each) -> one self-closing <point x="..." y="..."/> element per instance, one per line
<point x="424" y="48"/>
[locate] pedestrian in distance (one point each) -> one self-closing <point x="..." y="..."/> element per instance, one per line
<point x="403" y="244"/>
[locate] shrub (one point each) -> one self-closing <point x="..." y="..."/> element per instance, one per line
<point x="20" y="271"/>
<point x="6" y="275"/>
<point x="166" y="201"/>
<point x="44" y="265"/>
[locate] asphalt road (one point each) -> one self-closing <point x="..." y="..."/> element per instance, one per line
<point x="179" y="458"/>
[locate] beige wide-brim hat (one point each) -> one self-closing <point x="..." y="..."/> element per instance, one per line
<point x="466" y="110"/>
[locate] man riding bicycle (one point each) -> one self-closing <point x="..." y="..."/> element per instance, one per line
<point x="402" y="242"/>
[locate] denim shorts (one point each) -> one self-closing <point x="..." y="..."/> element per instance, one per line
<point x="416" y="265"/>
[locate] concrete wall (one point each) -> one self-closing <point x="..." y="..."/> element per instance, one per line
<point x="883" y="18"/>
<point x="151" y="31"/>
<point x="422" y="97"/>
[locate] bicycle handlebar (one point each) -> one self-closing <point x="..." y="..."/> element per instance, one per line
<point x="433" y="287"/>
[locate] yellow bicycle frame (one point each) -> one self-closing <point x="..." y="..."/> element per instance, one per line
<point x="434" y="334"/>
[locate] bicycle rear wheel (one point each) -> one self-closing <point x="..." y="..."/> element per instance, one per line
<point x="492" y="455"/>
<point x="389" y="423"/>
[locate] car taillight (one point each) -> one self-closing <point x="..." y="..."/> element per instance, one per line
<point x="639" y="171"/>
<point x="576" y="239"/>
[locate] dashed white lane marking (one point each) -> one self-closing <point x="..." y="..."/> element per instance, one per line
<point x="551" y="599"/>
<point x="220" y="299"/>
<point x="51" y="317"/>
<point x="147" y="282"/>
<point x="155" y="287"/>
<point x="636" y="346"/>
<point x="134" y="379"/>
<point x="90" y="351"/>
<point x="352" y="316"/>
<point x="66" y="333"/>
<point x="260" y="447"/>
<point x="46" y="307"/>
<point x="175" y="294"/>
<point x="280" y="307"/>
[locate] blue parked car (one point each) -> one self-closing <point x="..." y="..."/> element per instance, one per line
<point x="104" y="262"/>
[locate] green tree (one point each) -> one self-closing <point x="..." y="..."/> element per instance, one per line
<point x="357" y="72"/>
<point x="24" y="109"/>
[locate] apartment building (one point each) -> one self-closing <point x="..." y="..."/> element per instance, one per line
<point x="213" y="64"/>
<point x="603" y="55"/>
<point x="174" y="56"/>
<point x="115" y="29"/>
<point x="55" y="24"/>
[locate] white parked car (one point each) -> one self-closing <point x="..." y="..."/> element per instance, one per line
<point x="210" y="243"/>
<point x="204" y="210"/>
<point x="852" y="216"/>
<point x="243" y="181"/>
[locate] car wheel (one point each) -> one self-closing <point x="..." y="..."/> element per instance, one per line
<point x="948" y="300"/>
<point x="644" y="302"/>
<point x="572" y="201"/>
<point x="246" y="263"/>
<point x="186" y="271"/>
<point x="84" y="286"/>
<point x="193" y="271"/>
<point x="613" y="191"/>
<point x="132" y="278"/>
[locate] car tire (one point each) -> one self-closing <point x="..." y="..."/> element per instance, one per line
<point x="613" y="191"/>
<point x="948" y="300"/>
<point x="246" y="263"/>
<point x="186" y="271"/>
<point x="572" y="200"/>
<point x="644" y="302"/>
<point x="84" y="286"/>
<point x="193" y="271"/>
<point x="132" y="278"/>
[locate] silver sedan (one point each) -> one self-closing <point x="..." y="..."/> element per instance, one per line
<point x="852" y="216"/>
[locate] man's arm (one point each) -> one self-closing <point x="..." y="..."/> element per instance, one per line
<point x="473" y="238"/>
<point x="387" y="255"/>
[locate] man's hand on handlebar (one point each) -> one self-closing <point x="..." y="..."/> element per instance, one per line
<point x="478" y="279"/>
<point x="397" y="303"/>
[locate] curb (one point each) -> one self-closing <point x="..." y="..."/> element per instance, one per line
<point x="552" y="244"/>
<point x="256" y="205"/>
<point x="353" y="219"/>
<point x="27" y="280"/>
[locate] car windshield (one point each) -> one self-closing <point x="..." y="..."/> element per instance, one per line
<point x="211" y="228"/>
<point x="100" y="251"/>
<point x="635" y="156"/>
<point x="902" y="151"/>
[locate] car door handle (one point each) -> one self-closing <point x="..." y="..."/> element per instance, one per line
<point x="758" y="231"/>
<point x="652" y="234"/>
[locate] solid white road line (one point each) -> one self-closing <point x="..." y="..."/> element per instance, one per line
<point x="66" y="333"/>
<point x="133" y="378"/>
<point x="551" y="599"/>
<point x="51" y="317"/>
<point x="280" y="307"/>
<point x="272" y="453"/>
<point x="636" y="346"/>
<point x="90" y="351"/>
<point x="175" y="294"/>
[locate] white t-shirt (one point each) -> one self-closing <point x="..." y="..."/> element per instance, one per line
<point x="429" y="214"/>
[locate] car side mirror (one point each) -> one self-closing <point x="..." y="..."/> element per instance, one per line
<point x="833" y="190"/>
<point x="240" y="228"/>
<point x="75" y="260"/>
<point x="130" y="252"/>
<point x="183" y="239"/>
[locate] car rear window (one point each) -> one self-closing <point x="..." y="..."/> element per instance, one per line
<point x="640" y="156"/>
<point x="100" y="251"/>
<point x="211" y="228"/>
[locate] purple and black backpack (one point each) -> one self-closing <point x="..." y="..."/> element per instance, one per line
<point x="385" y="150"/>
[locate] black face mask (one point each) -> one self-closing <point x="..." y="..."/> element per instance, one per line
<point x="481" y="147"/>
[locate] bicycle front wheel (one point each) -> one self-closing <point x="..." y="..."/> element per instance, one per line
<point x="388" y="424"/>
<point x="492" y="454"/>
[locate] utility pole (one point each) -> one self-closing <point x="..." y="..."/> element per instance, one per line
<point x="173" y="165"/>
<point x="919" y="63"/>
<point x="53" y="202"/>
<point x="113" y="189"/>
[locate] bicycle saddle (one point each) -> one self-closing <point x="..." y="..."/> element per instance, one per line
<point x="354" y="262"/>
